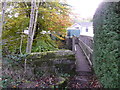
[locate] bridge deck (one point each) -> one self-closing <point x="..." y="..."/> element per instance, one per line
<point x="85" y="77"/>
<point x="81" y="62"/>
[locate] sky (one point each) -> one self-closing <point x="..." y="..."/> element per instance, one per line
<point x="84" y="8"/>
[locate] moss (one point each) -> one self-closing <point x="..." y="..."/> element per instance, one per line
<point x="52" y="55"/>
<point x="71" y="57"/>
<point x="49" y="59"/>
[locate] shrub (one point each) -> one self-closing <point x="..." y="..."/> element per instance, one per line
<point x="106" y="56"/>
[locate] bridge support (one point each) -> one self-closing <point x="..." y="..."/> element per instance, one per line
<point x="69" y="43"/>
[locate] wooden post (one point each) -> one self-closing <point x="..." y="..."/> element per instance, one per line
<point x="73" y="43"/>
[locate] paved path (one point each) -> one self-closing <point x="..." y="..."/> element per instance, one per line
<point x="81" y="62"/>
<point x="85" y="77"/>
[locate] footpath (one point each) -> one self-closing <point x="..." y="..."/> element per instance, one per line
<point x="85" y="77"/>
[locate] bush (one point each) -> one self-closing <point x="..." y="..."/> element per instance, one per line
<point x="43" y="44"/>
<point x="106" y="23"/>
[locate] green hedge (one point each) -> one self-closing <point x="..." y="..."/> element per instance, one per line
<point x="106" y="56"/>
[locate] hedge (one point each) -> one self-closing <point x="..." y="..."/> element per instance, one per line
<point x="106" y="56"/>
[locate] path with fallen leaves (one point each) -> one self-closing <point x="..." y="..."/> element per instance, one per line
<point x="85" y="77"/>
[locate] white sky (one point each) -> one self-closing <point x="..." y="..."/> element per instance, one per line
<point x="85" y="8"/>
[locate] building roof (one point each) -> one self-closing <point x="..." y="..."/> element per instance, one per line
<point x="81" y="24"/>
<point x="76" y="25"/>
<point x="86" y="24"/>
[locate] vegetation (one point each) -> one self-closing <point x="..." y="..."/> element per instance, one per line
<point x="34" y="60"/>
<point x="106" y="43"/>
<point x="52" y="17"/>
<point x="49" y="30"/>
<point x="44" y="69"/>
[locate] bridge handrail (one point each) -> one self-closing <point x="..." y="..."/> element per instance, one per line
<point x="88" y="40"/>
<point x="90" y="50"/>
<point x="87" y="50"/>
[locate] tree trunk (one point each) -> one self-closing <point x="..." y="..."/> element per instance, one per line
<point x="29" y="43"/>
<point x="32" y="26"/>
<point x="36" y="16"/>
<point x="4" y="4"/>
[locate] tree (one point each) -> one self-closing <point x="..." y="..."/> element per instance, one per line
<point x="51" y="20"/>
<point x="50" y="16"/>
<point x="4" y="4"/>
<point x="32" y="25"/>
